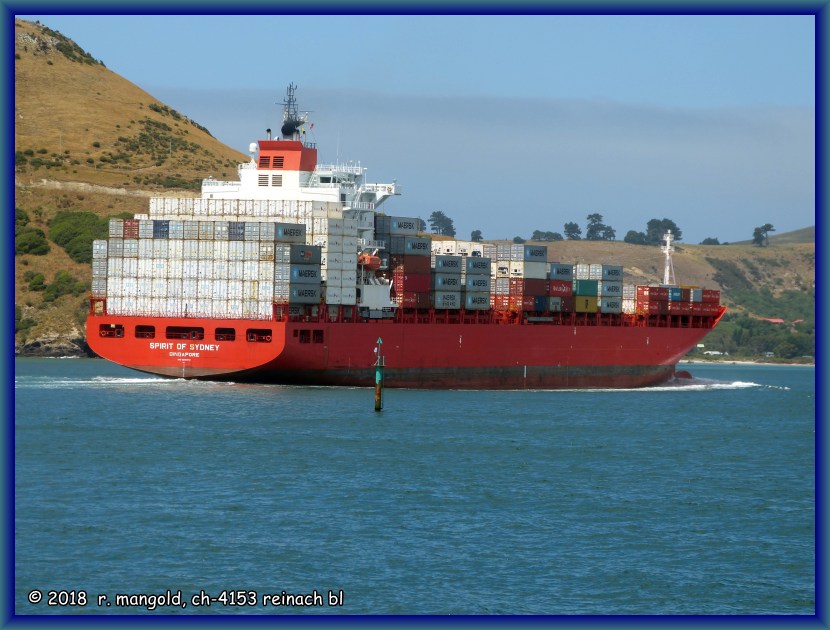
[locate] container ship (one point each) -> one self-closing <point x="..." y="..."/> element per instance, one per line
<point x="292" y="274"/>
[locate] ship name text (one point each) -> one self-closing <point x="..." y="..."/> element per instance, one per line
<point x="161" y="345"/>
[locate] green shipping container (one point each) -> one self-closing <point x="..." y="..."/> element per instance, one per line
<point x="586" y="288"/>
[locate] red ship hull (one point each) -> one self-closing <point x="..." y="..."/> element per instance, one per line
<point x="576" y="351"/>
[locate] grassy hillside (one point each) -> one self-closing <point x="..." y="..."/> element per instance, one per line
<point x="89" y="141"/>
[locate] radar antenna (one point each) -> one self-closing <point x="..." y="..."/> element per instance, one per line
<point x="668" y="270"/>
<point x="291" y="119"/>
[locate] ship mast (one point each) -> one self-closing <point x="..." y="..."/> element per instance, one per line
<point x="668" y="269"/>
<point x="291" y="119"/>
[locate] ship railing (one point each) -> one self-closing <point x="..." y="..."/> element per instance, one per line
<point x="371" y="244"/>
<point x="359" y="205"/>
<point x="216" y="183"/>
<point x="353" y="169"/>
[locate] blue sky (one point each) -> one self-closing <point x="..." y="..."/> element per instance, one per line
<point x="510" y="124"/>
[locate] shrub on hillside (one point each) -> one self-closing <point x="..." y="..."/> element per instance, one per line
<point x="64" y="284"/>
<point x="75" y="231"/>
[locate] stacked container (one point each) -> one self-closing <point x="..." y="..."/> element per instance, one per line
<point x="337" y="238"/>
<point x="409" y="260"/>
<point x="476" y="283"/>
<point x="521" y="273"/>
<point x="447" y="282"/>
<point x="560" y="288"/>
<point x="297" y="274"/>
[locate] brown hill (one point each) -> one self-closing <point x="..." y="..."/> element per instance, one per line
<point x="88" y="140"/>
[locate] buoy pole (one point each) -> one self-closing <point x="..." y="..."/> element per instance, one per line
<point x="379" y="377"/>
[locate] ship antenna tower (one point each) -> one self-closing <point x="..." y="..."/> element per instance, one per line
<point x="668" y="269"/>
<point x="291" y="119"/>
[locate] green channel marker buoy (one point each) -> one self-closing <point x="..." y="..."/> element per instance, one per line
<point x="379" y="364"/>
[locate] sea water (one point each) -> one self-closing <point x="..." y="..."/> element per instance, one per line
<point x="136" y="494"/>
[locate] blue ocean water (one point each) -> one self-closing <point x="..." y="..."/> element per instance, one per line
<point x="696" y="499"/>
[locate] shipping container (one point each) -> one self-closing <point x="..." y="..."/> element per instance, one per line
<point x="584" y="303"/>
<point x="448" y="264"/>
<point x="477" y="283"/>
<point x="610" y="304"/>
<point x="99" y="267"/>
<point x="680" y="308"/>
<point x="529" y="253"/>
<point x="409" y="264"/>
<point x="560" y="288"/>
<point x="524" y="269"/>
<point x="521" y="302"/>
<point x="594" y="271"/>
<point x="160" y="248"/>
<point x="477" y="265"/>
<point x="304" y="274"/>
<point x="116" y="228"/>
<point x="528" y="286"/>
<point x="476" y="301"/>
<point x="610" y="288"/>
<point x="413" y="299"/>
<point x="582" y="271"/>
<point x="251" y="231"/>
<point x="586" y="288"/>
<point x="290" y="233"/>
<point x="446" y="281"/>
<point x="236" y="230"/>
<point x="652" y="307"/>
<point x="612" y="272"/>
<point x="99" y="248"/>
<point x="411" y="282"/>
<point x="161" y="229"/>
<point x="115" y="267"/>
<point x="652" y="293"/>
<point x="710" y="296"/>
<point x="675" y="294"/>
<point x="559" y="271"/>
<point x="558" y="304"/>
<point x="410" y="245"/>
<point x="697" y="295"/>
<point x="115" y="248"/>
<point x="447" y="299"/>
<point x="145" y="228"/>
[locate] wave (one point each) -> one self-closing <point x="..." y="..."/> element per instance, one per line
<point x="47" y="382"/>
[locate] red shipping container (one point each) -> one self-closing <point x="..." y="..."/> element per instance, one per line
<point x="652" y="307"/>
<point x="709" y="308"/>
<point x="680" y="308"/>
<point x="413" y="299"/>
<point x="409" y="264"/>
<point x="130" y="228"/>
<point x="521" y="302"/>
<point x="560" y="288"/>
<point x="411" y="282"/>
<point x="652" y="293"/>
<point x="686" y="295"/>
<point x="500" y="302"/>
<point x="528" y="286"/>
<point x="711" y="295"/>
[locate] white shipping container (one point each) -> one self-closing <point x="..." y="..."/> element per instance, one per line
<point x="99" y="248"/>
<point x="594" y="272"/>
<point x="145" y="228"/>
<point x="206" y="250"/>
<point x="251" y="231"/>
<point x="266" y="270"/>
<point x="219" y="289"/>
<point x="204" y="307"/>
<point x="204" y="288"/>
<point x="115" y="287"/>
<point x="176" y="229"/>
<point x="190" y="269"/>
<point x="234" y="289"/>
<point x="220" y="250"/>
<point x="206" y="230"/>
<point x="190" y="249"/>
<point x="333" y="277"/>
<point x="220" y="230"/>
<point x="349" y="260"/>
<point x="220" y="269"/>
<point x="145" y="248"/>
<point x="190" y="229"/>
<point x="174" y="287"/>
<point x="266" y="292"/>
<point x="205" y="269"/>
<point x="251" y="250"/>
<point x="175" y="249"/>
<point x="160" y="248"/>
<point x="159" y="287"/>
<point x="250" y="289"/>
<point x="529" y="270"/>
<point x="145" y="267"/>
<point x="582" y="272"/>
<point x="236" y="250"/>
<point x="235" y="270"/>
<point x="116" y="228"/>
<point x="130" y="267"/>
<point x="174" y="268"/>
<point x="144" y="287"/>
<point x="159" y="268"/>
<point x="250" y="270"/>
<point x="349" y="277"/>
<point x="190" y="288"/>
<point x="115" y="267"/>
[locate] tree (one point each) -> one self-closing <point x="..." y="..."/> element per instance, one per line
<point x="475" y="236"/>
<point x="608" y="233"/>
<point x="441" y="224"/>
<point x="31" y="241"/>
<point x="710" y="241"/>
<point x="547" y="237"/>
<point x="760" y="236"/>
<point x="635" y="238"/>
<point x="656" y="228"/>
<point x="518" y="240"/>
<point x="573" y="232"/>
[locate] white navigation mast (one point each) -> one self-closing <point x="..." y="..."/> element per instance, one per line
<point x="668" y="270"/>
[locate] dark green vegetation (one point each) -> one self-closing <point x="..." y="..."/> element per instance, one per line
<point x="75" y="231"/>
<point x="28" y="240"/>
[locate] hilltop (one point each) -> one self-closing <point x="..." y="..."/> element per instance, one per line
<point x="88" y="141"/>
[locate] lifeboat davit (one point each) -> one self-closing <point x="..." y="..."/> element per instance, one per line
<point x="368" y="261"/>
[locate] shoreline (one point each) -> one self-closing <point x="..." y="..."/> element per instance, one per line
<point x="741" y="362"/>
